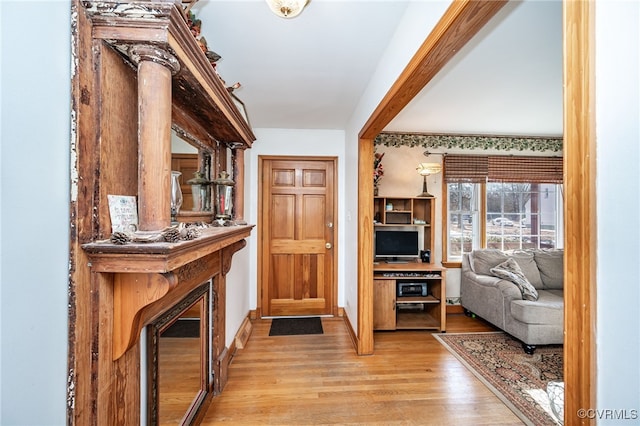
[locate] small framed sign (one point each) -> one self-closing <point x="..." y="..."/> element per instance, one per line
<point x="123" y="210"/>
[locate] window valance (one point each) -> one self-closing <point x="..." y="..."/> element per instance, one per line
<point x="502" y="168"/>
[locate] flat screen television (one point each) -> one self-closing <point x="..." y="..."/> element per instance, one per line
<point x="396" y="245"/>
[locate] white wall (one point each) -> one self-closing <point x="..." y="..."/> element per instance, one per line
<point x="35" y="133"/>
<point x="618" y="209"/>
<point x="301" y="143"/>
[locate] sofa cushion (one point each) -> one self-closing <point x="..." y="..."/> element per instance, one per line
<point x="551" y="267"/>
<point x="548" y="309"/>
<point x="483" y="260"/>
<point x="509" y="270"/>
<point x="529" y="267"/>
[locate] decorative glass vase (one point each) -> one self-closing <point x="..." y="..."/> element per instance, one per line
<point x="176" y="195"/>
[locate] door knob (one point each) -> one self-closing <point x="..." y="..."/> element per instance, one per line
<point x="328" y="245"/>
<point x="329" y="224"/>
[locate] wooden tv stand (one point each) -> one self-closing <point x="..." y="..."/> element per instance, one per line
<point x="413" y="310"/>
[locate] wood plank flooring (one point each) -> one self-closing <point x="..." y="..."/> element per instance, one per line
<point x="179" y="381"/>
<point x="318" y="379"/>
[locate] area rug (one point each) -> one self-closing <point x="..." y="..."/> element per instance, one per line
<point x="518" y="379"/>
<point x="293" y="326"/>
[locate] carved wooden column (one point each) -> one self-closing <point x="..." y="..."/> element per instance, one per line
<point x="238" y="176"/>
<point x="155" y="68"/>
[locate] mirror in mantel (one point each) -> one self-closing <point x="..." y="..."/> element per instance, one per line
<point x="187" y="159"/>
<point x="178" y="361"/>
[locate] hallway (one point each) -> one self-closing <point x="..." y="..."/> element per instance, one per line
<point x="318" y="379"/>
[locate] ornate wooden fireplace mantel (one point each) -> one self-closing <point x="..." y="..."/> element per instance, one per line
<point x="138" y="74"/>
<point x="151" y="278"/>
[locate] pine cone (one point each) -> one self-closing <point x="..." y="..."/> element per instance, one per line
<point x="171" y="235"/>
<point x="191" y="234"/>
<point x="119" y="238"/>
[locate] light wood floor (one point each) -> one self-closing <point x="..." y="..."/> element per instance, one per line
<point x="318" y="379"/>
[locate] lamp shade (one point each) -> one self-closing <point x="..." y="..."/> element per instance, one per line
<point x="287" y="8"/>
<point x="427" y="169"/>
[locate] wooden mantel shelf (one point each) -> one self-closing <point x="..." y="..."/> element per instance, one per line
<point x="149" y="278"/>
<point x="161" y="257"/>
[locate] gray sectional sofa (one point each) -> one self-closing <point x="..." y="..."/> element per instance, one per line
<point x="525" y="300"/>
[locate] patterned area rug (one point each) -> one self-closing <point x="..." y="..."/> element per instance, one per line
<point x="518" y="379"/>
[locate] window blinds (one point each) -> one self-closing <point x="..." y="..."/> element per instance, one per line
<point x="466" y="168"/>
<point x="502" y="168"/>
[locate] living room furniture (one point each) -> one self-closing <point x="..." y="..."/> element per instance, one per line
<point x="501" y="302"/>
<point x="418" y="212"/>
<point x="409" y="296"/>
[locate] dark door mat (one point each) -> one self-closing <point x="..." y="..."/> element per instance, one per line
<point x="293" y="326"/>
<point x="183" y="328"/>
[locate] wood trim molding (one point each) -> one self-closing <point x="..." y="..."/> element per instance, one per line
<point x="460" y="22"/>
<point x="444" y="203"/>
<point x="580" y="211"/>
<point x="350" y="330"/>
<point x="243" y="334"/>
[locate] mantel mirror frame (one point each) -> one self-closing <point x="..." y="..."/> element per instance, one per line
<point x="202" y="294"/>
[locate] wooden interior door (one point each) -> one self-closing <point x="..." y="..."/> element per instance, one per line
<point x="297" y="252"/>
<point x="187" y="164"/>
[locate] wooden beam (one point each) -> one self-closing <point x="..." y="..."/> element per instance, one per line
<point x="365" y="248"/>
<point x="579" y="211"/>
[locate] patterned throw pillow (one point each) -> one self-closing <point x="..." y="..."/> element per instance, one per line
<point x="509" y="270"/>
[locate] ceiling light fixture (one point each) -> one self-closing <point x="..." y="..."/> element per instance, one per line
<point x="287" y="8"/>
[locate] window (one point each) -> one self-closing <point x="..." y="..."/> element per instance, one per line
<point x="522" y="215"/>
<point x="462" y="226"/>
<point x="484" y="210"/>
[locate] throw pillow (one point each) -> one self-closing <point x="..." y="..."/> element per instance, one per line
<point x="529" y="267"/>
<point x="509" y="270"/>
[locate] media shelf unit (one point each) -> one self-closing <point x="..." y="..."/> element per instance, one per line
<point x="393" y="310"/>
<point x="403" y="212"/>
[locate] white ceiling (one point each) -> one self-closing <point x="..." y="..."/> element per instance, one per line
<point x="309" y="72"/>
